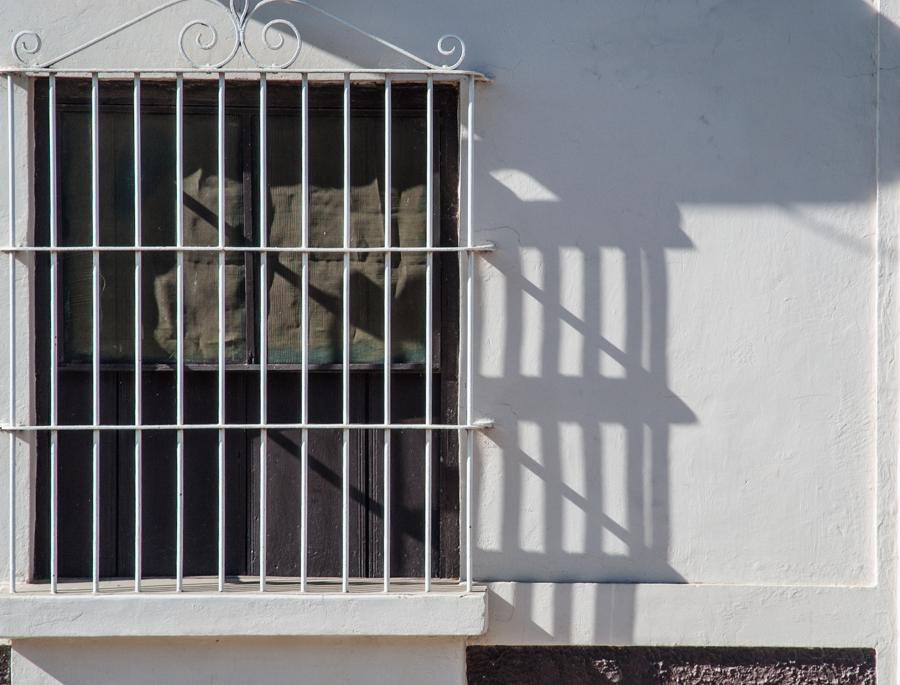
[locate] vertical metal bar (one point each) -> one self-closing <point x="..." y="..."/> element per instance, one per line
<point x="138" y="355"/>
<point x="179" y="344"/>
<point x="429" y="286"/>
<point x="263" y="328"/>
<point x="470" y="323"/>
<point x="54" y="339"/>
<point x="220" y="133"/>
<point x="388" y="294"/>
<point x="345" y="376"/>
<point x="95" y="327"/>
<point x="11" y="332"/>
<point x="304" y="336"/>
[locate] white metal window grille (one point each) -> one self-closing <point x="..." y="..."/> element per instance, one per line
<point x="20" y="255"/>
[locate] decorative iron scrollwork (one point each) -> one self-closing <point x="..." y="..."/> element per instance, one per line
<point x="279" y="36"/>
<point x="448" y="46"/>
<point x="240" y="15"/>
<point x="25" y="43"/>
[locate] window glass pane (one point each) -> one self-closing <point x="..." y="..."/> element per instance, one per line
<point x="201" y="227"/>
<point x="158" y="223"/>
<point x="284" y="198"/>
<point x="367" y="230"/>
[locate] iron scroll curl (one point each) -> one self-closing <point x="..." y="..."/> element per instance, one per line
<point x="279" y="36"/>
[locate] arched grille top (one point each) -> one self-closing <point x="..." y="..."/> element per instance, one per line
<point x="274" y="45"/>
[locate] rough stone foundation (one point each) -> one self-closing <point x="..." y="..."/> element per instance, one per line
<point x="669" y="666"/>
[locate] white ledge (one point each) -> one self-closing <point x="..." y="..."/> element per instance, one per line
<point x="443" y="614"/>
<point x="547" y="613"/>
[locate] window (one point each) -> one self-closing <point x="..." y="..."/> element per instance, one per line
<point x="262" y="267"/>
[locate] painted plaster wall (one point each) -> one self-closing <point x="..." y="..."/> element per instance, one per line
<point x="684" y="380"/>
<point x="679" y="337"/>
<point x="678" y="326"/>
<point x="148" y="662"/>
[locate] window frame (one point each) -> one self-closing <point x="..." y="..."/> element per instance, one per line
<point x="447" y="274"/>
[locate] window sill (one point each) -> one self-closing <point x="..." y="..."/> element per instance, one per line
<point x="448" y="611"/>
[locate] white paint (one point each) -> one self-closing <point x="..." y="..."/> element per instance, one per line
<point x="574" y="482"/>
<point x="249" y="615"/>
<point x="697" y="615"/>
<point x="492" y="331"/>
<point x="613" y="487"/>
<point x="533" y="494"/>
<point x="691" y="252"/>
<point x="612" y="314"/>
<point x="524" y="186"/>
<point x="572" y="304"/>
<point x="238" y="661"/>
<point x="532" y="343"/>
<point x="24" y="463"/>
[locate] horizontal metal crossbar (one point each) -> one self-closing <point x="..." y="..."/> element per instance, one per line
<point x="369" y="75"/>
<point x="483" y="424"/>
<point x="485" y="247"/>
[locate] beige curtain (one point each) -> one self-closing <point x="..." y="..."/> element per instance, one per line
<point x="284" y="204"/>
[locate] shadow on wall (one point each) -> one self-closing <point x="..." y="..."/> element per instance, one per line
<point x="583" y="182"/>
<point x="575" y="475"/>
<point x="593" y="141"/>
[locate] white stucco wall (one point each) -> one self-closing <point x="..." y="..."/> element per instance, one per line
<point x="684" y="379"/>
<point x="686" y="331"/>
<point x="279" y="662"/>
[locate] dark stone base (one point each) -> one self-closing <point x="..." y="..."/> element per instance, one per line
<point x="669" y="666"/>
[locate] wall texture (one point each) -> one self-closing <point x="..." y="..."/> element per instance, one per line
<point x="674" y="666"/>
<point x="204" y="661"/>
<point x="687" y="334"/>
<point x="683" y="200"/>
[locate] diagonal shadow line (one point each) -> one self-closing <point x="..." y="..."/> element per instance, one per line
<point x="577" y="499"/>
<point x="568" y="317"/>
